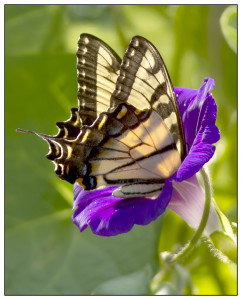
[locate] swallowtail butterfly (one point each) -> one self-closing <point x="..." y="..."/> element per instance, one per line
<point x="127" y="129"/>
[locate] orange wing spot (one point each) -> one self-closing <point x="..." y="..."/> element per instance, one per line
<point x="137" y="111"/>
<point x="79" y="181"/>
<point x="67" y="169"/>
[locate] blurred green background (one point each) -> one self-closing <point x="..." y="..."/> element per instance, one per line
<point x="44" y="251"/>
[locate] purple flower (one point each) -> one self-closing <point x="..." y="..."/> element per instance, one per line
<point x="108" y="215"/>
<point x="187" y="201"/>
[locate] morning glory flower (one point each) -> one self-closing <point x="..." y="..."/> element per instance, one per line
<point x="108" y="215"/>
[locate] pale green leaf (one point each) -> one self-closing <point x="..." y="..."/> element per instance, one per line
<point x="228" y="23"/>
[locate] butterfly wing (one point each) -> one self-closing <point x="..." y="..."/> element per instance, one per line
<point x="139" y="143"/>
<point x="145" y="83"/>
<point x="127" y="130"/>
<point x="97" y="72"/>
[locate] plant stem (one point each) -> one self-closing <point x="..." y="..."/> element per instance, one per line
<point x="188" y="248"/>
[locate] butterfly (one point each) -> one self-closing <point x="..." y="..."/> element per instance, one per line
<point x="127" y="130"/>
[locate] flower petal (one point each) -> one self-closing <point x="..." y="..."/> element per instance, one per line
<point x="210" y="134"/>
<point x="188" y="200"/>
<point x="198" y="156"/>
<point x="184" y="97"/>
<point x="200" y="130"/>
<point x="193" y="108"/>
<point x="89" y="203"/>
<point x="108" y="215"/>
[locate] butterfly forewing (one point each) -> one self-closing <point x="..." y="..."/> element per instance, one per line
<point x="145" y="83"/>
<point x="97" y="71"/>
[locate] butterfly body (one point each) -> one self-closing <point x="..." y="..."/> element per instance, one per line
<point x="127" y="130"/>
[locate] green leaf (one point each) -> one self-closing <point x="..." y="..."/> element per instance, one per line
<point x="191" y="40"/>
<point x="26" y="30"/>
<point x="225" y="244"/>
<point x="228" y="23"/>
<point x="132" y="284"/>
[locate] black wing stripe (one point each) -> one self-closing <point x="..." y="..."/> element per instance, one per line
<point x="88" y="90"/>
<point x="144" y="90"/>
<point x="93" y="44"/>
<point x="134" y="78"/>
<point x="121" y="94"/>
<point x="138" y="63"/>
<point x="101" y="84"/>
<point x="160" y="151"/>
<point x="90" y="73"/>
<point x="90" y="55"/>
<point x="91" y="62"/>
<point x="89" y="95"/>
<point x="139" y="80"/>
<point x="112" y="175"/>
<point x="128" y="175"/>
<point x="97" y="68"/>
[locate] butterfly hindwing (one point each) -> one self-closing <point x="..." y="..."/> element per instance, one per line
<point x="59" y="144"/>
<point x="97" y="71"/>
<point x="71" y="127"/>
<point x="138" y="156"/>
